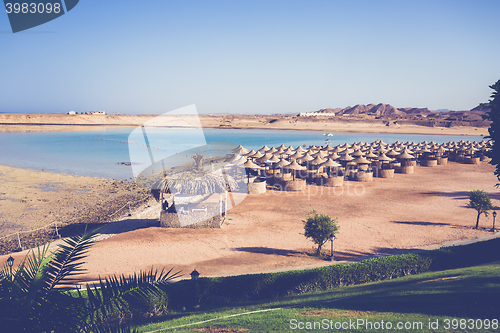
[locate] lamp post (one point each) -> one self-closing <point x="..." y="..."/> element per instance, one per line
<point x="494" y="217"/>
<point x="10" y="262"/>
<point x="332" y="238"/>
<point x="194" y="278"/>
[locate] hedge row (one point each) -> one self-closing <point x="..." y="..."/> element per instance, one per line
<point x="271" y="285"/>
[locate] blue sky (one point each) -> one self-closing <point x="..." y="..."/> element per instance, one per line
<point x="154" y="56"/>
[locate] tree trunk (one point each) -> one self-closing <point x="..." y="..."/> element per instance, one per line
<point x="477" y="222"/>
<point x="318" y="252"/>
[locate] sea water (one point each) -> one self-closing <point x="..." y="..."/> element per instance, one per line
<point x="105" y="153"/>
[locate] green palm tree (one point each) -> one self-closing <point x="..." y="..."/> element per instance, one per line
<point x="36" y="296"/>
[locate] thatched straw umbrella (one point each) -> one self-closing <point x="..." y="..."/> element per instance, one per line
<point x="384" y="158"/>
<point x="320" y="153"/>
<point x="362" y="160"/>
<point x="358" y="153"/>
<point x="264" y="149"/>
<point x="295" y="167"/>
<point x="240" y="150"/>
<point x="405" y="156"/>
<point x="392" y="153"/>
<point x="371" y="155"/>
<point x="337" y="149"/>
<point x="272" y="150"/>
<point x="329" y="163"/>
<point x="257" y="155"/>
<point x="440" y="151"/>
<point x="300" y="149"/>
<point x="295" y="156"/>
<point x="345" y="159"/>
<point x="250" y="153"/>
<point x="305" y="159"/>
<point x="265" y="157"/>
<point x="250" y="165"/>
<point x="281" y="164"/>
<point x="334" y="156"/>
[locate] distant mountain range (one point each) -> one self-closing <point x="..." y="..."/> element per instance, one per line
<point x="386" y="110"/>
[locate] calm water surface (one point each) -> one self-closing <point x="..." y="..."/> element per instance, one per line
<point x="88" y="153"/>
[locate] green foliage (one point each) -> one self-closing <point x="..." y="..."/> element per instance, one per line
<point x="494" y="130"/>
<point x="481" y="202"/>
<point x="320" y="227"/>
<point x="35" y="297"/>
<point x="252" y="287"/>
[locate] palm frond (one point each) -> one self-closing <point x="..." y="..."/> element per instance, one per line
<point x="116" y="292"/>
<point x="66" y="262"/>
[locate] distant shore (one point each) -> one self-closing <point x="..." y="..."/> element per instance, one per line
<point x="44" y="122"/>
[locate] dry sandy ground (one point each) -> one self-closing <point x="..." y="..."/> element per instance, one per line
<point x="33" y="199"/>
<point x="64" y="122"/>
<point x="265" y="232"/>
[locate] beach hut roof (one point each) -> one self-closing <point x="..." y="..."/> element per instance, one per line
<point x="250" y="153"/>
<point x="318" y="160"/>
<point x="198" y="184"/>
<point x="296" y="155"/>
<point x="384" y="157"/>
<point x="382" y="150"/>
<point x="320" y="153"/>
<point x="362" y="160"/>
<point x="346" y="157"/>
<point x="265" y="157"/>
<point x="274" y="159"/>
<point x="334" y="156"/>
<point x="371" y="154"/>
<point x="307" y="157"/>
<point x="240" y="150"/>
<point x="392" y="153"/>
<point x="295" y="166"/>
<point x="251" y="165"/>
<point x="358" y="153"/>
<point x="282" y="163"/>
<point x="405" y="155"/>
<point x="330" y="163"/>
<point x="258" y="154"/>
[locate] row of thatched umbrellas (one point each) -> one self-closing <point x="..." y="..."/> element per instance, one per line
<point x="299" y="158"/>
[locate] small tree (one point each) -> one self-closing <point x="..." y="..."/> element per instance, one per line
<point x="480" y="201"/>
<point x="319" y="227"/>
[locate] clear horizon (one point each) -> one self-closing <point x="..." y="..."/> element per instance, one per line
<point x="260" y="57"/>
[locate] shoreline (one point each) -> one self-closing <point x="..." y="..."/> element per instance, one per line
<point x="63" y="122"/>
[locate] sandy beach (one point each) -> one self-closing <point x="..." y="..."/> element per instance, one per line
<point x="63" y="122"/>
<point x="265" y="232"/>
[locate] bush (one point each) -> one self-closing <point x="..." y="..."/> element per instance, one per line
<point x="267" y="286"/>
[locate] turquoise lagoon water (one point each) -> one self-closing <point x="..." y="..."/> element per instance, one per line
<point x="98" y="153"/>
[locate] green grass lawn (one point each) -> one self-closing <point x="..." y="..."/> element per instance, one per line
<point x="457" y="300"/>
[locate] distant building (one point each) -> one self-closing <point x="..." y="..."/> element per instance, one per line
<point x="316" y="114"/>
<point x="72" y="112"/>
<point x="97" y="112"/>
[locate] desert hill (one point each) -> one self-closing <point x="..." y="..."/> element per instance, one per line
<point x="382" y="110"/>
